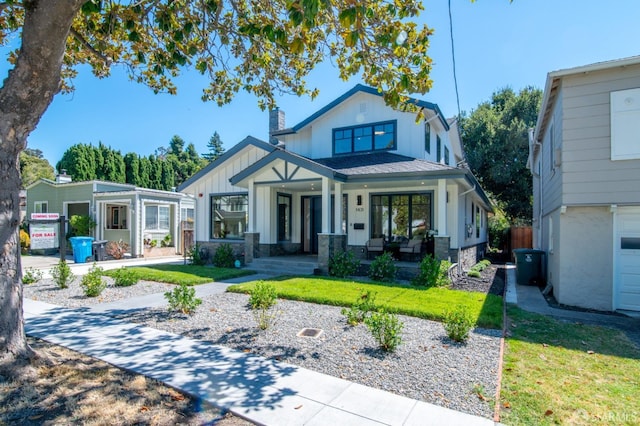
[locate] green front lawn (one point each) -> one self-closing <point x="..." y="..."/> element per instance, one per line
<point x="414" y="301"/>
<point x="187" y="274"/>
<point x="563" y="373"/>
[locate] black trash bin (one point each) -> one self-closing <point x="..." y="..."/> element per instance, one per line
<point x="100" y="250"/>
<point x="530" y="267"/>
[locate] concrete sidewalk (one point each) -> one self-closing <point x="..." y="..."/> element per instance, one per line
<point x="260" y="390"/>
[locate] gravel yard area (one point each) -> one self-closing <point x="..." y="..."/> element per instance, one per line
<point x="427" y="366"/>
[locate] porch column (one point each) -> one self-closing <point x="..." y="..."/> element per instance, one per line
<point x="337" y="191"/>
<point x="441" y="225"/>
<point x="326" y="206"/>
<point x="251" y="208"/>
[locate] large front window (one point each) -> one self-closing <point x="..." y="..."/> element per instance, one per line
<point x="229" y="216"/>
<point x="156" y="217"/>
<point x="399" y="217"/>
<point x="368" y="137"/>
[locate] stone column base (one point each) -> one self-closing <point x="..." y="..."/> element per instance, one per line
<point x="328" y="245"/>
<point x="441" y="248"/>
<point x="251" y="246"/>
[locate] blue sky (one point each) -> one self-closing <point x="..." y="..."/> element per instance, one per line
<point x="497" y="44"/>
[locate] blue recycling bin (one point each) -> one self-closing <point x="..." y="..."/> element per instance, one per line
<point x="82" y="247"/>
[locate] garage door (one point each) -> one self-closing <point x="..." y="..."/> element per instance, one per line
<point x="628" y="260"/>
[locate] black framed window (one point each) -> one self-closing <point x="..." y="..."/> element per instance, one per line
<point x="364" y="138"/>
<point x="284" y="217"/>
<point x="229" y="216"/>
<point x="399" y="217"/>
<point x="446" y="155"/>
<point x="438" y="149"/>
<point x="427" y="137"/>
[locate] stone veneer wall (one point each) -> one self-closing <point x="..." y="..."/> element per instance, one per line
<point x="328" y="244"/>
<point x="469" y="256"/>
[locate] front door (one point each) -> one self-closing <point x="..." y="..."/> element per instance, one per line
<point x="312" y="223"/>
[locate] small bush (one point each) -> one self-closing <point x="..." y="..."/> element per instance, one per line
<point x="224" y="257"/>
<point x="383" y="268"/>
<point x="31" y="276"/>
<point x="183" y="299"/>
<point x="458" y="323"/>
<point x="365" y="303"/>
<point x="386" y="329"/>
<point x="92" y="282"/>
<point x="263" y="295"/>
<point x="124" y="277"/>
<point x="196" y="256"/>
<point x="263" y="298"/>
<point x="62" y="275"/>
<point x="343" y="264"/>
<point x="474" y="274"/>
<point x="117" y="249"/>
<point x="166" y="241"/>
<point x="433" y="273"/>
<point x="25" y="241"/>
<point x="81" y="225"/>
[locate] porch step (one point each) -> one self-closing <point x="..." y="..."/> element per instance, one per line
<point x="286" y="265"/>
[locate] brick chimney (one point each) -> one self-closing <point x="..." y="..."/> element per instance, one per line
<point x="276" y="122"/>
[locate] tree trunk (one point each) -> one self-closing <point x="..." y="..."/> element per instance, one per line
<point x="24" y="97"/>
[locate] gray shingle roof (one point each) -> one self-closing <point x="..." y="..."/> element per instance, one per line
<point x="379" y="163"/>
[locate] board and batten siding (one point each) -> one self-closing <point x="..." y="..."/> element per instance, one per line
<point x="217" y="182"/>
<point x="589" y="175"/>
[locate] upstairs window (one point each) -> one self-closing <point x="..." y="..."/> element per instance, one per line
<point x="365" y="138"/>
<point x="438" y="149"/>
<point x="446" y="155"/>
<point x="427" y="137"/>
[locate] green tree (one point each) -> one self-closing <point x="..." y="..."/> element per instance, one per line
<point x="215" y="148"/>
<point x="34" y="167"/>
<point x="252" y="45"/>
<point x="80" y="162"/>
<point x="132" y="169"/>
<point x="496" y="143"/>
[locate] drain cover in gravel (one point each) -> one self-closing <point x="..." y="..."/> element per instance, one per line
<point x="310" y="332"/>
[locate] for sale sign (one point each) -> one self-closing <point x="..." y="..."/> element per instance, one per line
<point x="43" y="236"/>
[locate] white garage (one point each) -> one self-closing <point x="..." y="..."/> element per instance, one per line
<point x="627" y="259"/>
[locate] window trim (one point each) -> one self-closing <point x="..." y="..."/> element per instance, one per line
<point x="446" y="155"/>
<point x="210" y="220"/>
<point x="373" y="139"/>
<point x="438" y="149"/>
<point x="410" y="219"/>
<point x="40" y="203"/>
<point x="159" y="227"/>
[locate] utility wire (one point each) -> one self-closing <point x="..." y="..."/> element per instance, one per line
<point x="453" y="56"/>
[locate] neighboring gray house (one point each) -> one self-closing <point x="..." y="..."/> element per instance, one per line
<point x="353" y="171"/>
<point x="121" y="211"/>
<point x="585" y="159"/>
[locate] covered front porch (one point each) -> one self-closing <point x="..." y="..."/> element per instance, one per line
<point x="303" y="207"/>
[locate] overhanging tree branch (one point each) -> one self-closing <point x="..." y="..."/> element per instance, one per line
<point x="89" y="47"/>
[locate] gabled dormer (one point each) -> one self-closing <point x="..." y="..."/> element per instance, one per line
<point x="359" y="122"/>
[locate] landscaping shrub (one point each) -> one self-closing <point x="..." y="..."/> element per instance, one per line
<point x="458" y="323"/>
<point x="25" y="241"/>
<point x="31" y="276"/>
<point x="343" y="264"/>
<point x="386" y="329"/>
<point x="383" y="268"/>
<point x="474" y="274"/>
<point x="196" y="257"/>
<point x="263" y="298"/>
<point x="224" y="257"/>
<point x="433" y="273"/>
<point x="117" y="249"/>
<point x="81" y="225"/>
<point x="62" y="275"/>
<point x="124" y="277"/>
<point x="183" y="299"/>
<point x="92" y="283"/>
<point x="166" y="241"/>
<point x="365" y="303"/>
